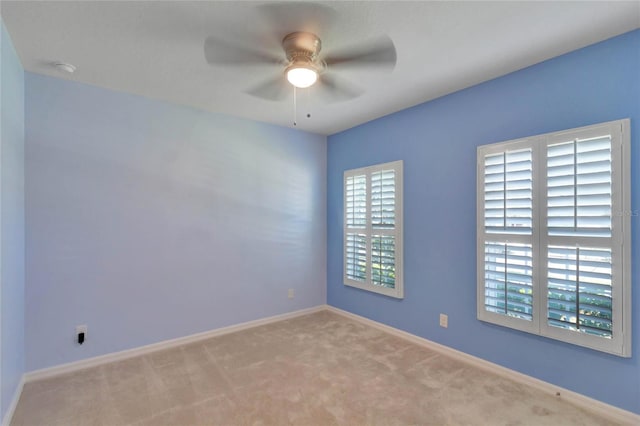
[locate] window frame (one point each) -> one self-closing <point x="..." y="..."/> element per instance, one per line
<point x="619" y="242"/>
<point x="368" y="230"/>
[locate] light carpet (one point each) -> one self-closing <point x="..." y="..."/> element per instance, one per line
<point x="318" y="369"/>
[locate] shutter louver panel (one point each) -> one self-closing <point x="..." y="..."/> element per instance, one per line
<point x="383" y="261"/>
<point x="373" y="229"/>
<point x="579" y="188"/>
<point x="356" y="256"/>
<point x="580" y="289"/>
<point x="383" y="195"/>
<point x="356" y="201"/>
<point x="508" y="192"/>
<point x="508" y="270"/>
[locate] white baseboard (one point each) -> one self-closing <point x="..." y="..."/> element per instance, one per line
<point x="6" y="420"/>
<point x="143" y="350"/>
<point x="593" y="405"/>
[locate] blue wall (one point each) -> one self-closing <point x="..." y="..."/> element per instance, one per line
<point x="11" y="221"/>
<point x="437" y="141"/>
<point x="148" y="221"/>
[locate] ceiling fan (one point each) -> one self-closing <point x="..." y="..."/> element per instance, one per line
<point x="302" y="63"/>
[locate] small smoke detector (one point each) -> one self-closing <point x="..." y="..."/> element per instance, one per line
<point x="63" y="66"/>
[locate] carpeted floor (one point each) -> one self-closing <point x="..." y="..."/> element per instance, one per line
<point x="319" y="369"/>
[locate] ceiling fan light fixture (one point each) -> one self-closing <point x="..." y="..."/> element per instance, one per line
<point x="302" y="75"/>
<point x="63" y="66"/>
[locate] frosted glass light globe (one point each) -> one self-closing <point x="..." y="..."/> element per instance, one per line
<point x="302" y="77"/>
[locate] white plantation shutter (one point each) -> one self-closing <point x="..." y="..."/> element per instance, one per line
<point x="553" y="212"/>
<point x="586" y="214"/>
<point x="508" y="188"/>
<point x="356" y="224"/>
<point x="383" y="261"/>
<point x="505" y="235"/>
<point x="356" y="256"/>
<point x="579" y="204"/>
<point x="383" y="199"/>
<point x="508" y="279"/>
<point x="356" y="201"/>
<point x="373" y="228"/>
<point x="580" y="289"/>
<point x="383" y="217"/>
<point x="579" y="187"/>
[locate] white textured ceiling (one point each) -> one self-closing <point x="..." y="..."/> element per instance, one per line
<point x="155" y="49"/>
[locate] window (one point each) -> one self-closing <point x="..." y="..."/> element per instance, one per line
<point x="373" y="228"/>
<point x="553" y="215"/>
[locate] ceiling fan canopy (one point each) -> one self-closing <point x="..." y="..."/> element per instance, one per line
<point x="303" y="65"/>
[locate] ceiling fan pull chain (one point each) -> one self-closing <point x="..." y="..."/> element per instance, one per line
<point x="306" y="102"/>
<point x="295" y="107"/>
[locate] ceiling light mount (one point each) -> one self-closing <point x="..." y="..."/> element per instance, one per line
<point x="64" y="66"/>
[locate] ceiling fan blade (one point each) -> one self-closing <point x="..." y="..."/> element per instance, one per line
<point x="378" y="52"/>
<point x="222" y="52"/>
<point x="286" y="17"/>
<point x="337" y="89"/>
<point x="273" y="89"/>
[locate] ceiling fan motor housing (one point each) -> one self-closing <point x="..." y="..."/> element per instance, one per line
<point x="301" y="47"/>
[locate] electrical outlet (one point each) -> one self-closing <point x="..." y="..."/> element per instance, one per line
<point x="81" y="330"/>
<point x="291" y="293"/>
<point x="444" y="320"/>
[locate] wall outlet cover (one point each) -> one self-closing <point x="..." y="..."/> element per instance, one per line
<point x="444" y="320"/>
